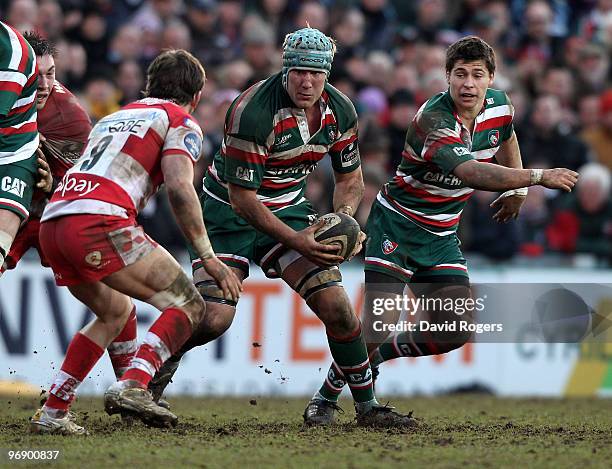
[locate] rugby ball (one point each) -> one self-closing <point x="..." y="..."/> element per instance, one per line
<point x="339" y="229"/>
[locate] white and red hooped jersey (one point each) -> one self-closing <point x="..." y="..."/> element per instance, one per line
<point x="120" y="168"/>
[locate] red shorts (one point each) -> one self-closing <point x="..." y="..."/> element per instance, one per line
<point x="86" y="248"/>
<point x="27" y="237"/>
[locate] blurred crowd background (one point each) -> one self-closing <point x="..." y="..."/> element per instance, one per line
<point x="553" y="59"/>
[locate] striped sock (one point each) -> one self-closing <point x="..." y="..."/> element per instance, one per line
<point x="351" y="356"/>
<point x="165" y="337"/>
<point x="399" y="345"/>
<point x="123" y="348"/>
<point x="407" y="344"/>
<point x="335" y="380"/>
<point x="81" y="357"/>
<point x="333" y="384"/>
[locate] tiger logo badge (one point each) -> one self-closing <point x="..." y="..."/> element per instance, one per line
<point x="494" y="137"/>
<point x="388" y="246"/>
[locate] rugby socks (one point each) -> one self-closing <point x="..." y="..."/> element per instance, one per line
<point x="123" y="348"/>
<point x="405" y="345"/>
<point x="165" y="337"/>
<point x="351" y="358"/>
<point x="396" y="346"/>
<point x="81" y="357"/>
<point x="333" y="384"/>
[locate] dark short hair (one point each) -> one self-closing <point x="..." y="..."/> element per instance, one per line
<point x="470" y="49"/>
<point x="175" y="75"/>
<point x="40" y="45"/>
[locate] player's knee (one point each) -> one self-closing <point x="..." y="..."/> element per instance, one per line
<point x="181" y="294"/>
<point x="216" y="322"/>
<point x="115" y="321"/>
<point x="333" y="307"/>
<point x="448" y="310"/>
<point x="449" y="341"/>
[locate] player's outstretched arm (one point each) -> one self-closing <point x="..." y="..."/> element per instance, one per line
<point x="492" y="177"/>
<point x="246" y="204"/>
<point x="178" y="177"/>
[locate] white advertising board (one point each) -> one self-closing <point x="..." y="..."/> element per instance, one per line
<point x="37" y="319"/>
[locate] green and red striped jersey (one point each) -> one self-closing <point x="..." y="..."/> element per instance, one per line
<point x="18" y="83"/>
<point x="267" y="145"/>
<point x="424" y="189"/>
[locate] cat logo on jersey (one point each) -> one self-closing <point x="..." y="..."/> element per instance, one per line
<point x="245" y="174"/>
<point x="388" y="246"/>
<point x="13" y="185"/>
<point x="494" y="137"/>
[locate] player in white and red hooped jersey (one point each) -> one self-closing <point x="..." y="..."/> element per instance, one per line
<point x="95" y="247"/>
<point x="120" y="168"/>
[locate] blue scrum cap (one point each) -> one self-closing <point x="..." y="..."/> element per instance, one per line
<point x="307" y="49"/>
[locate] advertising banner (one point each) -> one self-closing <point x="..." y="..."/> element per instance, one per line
<point x="277" y="346"/>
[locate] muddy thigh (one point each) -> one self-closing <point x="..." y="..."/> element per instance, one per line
<point x="159" y="280"/>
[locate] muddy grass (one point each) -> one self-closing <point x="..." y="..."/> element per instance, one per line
<point x="464" y="431"/>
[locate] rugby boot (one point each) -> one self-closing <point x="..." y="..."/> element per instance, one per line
<point x="160" y="381"/>
<point x="383" y="416"/>
<point x="320" y="412"/>
<point x="163" y="403"/>
<point x="42" y="422"/>
<point x="128" y="397"/>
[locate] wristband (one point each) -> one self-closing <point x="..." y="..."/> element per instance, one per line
<point x="521" y="192"/>
<point x="535" y="176"/>
<point x="203" y="248"/>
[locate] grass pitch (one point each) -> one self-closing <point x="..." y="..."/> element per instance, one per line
<point x="457" y="431"/>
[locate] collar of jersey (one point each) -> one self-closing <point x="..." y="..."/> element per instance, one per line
<point x="451" y="103"/>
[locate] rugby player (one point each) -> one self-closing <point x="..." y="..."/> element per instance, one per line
<point x="63" y="127"/>
<point x="94" y="245"/>
<point x="255" y="210"/>
<point x="18" y="134"/>
<point x="412" y="225"/>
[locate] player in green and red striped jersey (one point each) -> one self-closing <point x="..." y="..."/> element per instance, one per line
<point x="255" y="210"/>
<point x="412" y="225"/>
<point x="18" y="133"/>
<point x="63" y="127"/>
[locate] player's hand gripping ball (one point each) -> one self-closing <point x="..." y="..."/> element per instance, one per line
<point x="341" y="230"/>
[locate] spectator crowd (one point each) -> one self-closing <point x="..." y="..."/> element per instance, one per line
<point x="553" y="61"/>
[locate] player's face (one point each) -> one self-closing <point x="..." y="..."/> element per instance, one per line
<point x="46" y="79"/>
<point x="468" y="83"/>
<point x="305" y="87"/>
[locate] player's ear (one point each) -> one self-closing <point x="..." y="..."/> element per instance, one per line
<point x="196" y="99"/>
